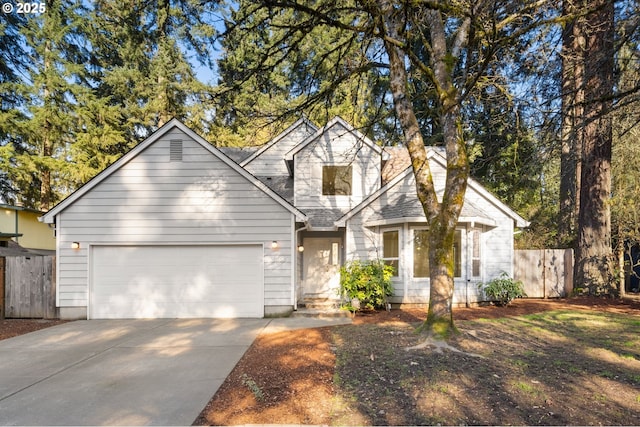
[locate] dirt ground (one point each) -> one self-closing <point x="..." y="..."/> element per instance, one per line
<point x="13" y="327"/>
<point x="577" y="366"/>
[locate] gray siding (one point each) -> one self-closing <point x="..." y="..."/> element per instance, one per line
<point x="270" y="162"/>
<point x="363" y="242"/>
<point x="194" y="201"/>
<point x="336" y="146"/>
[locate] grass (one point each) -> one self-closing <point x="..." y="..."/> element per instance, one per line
<point x="545" y="368"/>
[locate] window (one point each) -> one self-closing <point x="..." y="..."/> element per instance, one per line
<point x="391" y="250"/>
<point x="457" y="254"/>
<point x="475" y="255"/>
<point x="421" y="253"/>
<point x="336" y="180"/>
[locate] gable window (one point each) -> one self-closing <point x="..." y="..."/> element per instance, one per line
<point x="391" y="249"/>
<point x="421" y="254"/>
<point x="336" y="180"/>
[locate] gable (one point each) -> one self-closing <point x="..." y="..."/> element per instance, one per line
<point x="269" y="160"/>
<point x="336" y="129"/>
<point x="336" y="168"/>
<point x="176" y="152"/>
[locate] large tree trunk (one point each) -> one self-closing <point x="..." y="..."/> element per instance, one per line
<point x="593" y="251"/>
<point x="442" y="217"/>
<point x="573" y="54"/>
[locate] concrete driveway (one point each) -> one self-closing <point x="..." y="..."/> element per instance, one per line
<point x="119" y="372"/>
<point x="125" y="372"/>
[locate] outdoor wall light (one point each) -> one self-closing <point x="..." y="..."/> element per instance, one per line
<point x="75" y="245"/>
<point x="300" y="248"/>
<point x="274" y="245"/>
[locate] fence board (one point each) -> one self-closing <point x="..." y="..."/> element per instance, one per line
<point x="545" y="273"/>
<point x="29" y="287"/>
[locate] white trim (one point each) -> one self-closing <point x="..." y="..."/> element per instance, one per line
<point x="49" y="217"/>
<point x="432" y="154"/>
<point x="279" y="137"/>
<point x="294" y="262"/>
<point x="399" y="230"/>
<point x="57" y="229"/>
<point x="412" y="219"/>
<point x="350" y="129"/>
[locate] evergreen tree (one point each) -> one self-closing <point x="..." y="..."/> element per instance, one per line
<point x="137" y="62"/>
<point x="281" y="64"/>
<point x="34" y="157"/>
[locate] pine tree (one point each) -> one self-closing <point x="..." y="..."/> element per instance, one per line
<point x="35" y="156"/>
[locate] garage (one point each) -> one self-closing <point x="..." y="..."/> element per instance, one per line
<point x="176" y="281"/>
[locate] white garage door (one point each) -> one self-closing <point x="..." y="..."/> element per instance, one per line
<point x="176" y="282"/>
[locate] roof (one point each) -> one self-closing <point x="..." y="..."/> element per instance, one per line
<point x="14" y="249"/>
<point x="238" y="154"/>
<point x="283" y="185"/>
<point x="409" y="209"/>
<point x="323" y="219"/>
<point x="49" y="217"/>
<point x="19" y="208"/>
<point x="397" y="162"/>
<point x="300" y="122"/>
<point x="471" y="213"/>
<point x="334" y="122"/>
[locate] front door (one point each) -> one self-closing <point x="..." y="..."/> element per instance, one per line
<point x="322" y="258"/>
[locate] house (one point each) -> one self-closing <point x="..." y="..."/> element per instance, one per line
<point x="21" y="231"/>
<point x="178" y="228"/>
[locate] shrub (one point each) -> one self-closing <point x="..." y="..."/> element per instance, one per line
<point x="503" y="289"/>
<point x="365" y="284"/>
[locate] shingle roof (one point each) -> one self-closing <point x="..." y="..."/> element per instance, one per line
<point x="238" y="154"/>
<point x="398" y="161"/>
<point x="323" y="218"/>
<point x="283" y="185"/>
<point x="408" y="206"/>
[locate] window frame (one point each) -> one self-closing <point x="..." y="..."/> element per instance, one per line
<point x="326" y="188"/>
<point x="476" y="256"/>
<point x="398" y="231"/>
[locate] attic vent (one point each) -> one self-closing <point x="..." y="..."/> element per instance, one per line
<point x="175" y="151"/>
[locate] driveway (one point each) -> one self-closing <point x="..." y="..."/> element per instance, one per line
<point x="125" y="372"/>
<point x="119" y="372"/>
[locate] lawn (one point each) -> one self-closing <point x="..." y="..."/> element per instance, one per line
<point x="566" y="365"/>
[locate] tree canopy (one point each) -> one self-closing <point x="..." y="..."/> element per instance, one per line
<point x="509" y="89"/>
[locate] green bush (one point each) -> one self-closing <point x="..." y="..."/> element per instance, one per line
<point x="503" y="289"/>
<point x="365" y="284"/>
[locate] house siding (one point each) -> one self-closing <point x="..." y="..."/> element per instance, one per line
<point x="271" y="161"/>
<point x="151" y="200"/>
<point x="363" y="242"/>
<point x="337" y="146"/>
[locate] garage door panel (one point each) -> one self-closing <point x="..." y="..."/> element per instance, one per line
<point x="177" y="281"/>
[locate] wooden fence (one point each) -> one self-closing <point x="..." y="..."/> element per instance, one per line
<point x="29" y="287"/>
<point x="545" y="273"/>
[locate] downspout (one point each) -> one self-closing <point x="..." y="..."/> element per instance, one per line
<point x="297" y="253"/>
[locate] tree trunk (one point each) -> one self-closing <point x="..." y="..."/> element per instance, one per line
<point x="47" y="152"/>
<point x="573" y="54"/>
<point x="593" y="252"/>
<point x="441" y="217"/>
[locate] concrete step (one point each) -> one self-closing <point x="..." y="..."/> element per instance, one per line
<point x="320" y="313"/>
